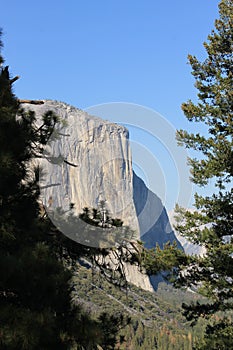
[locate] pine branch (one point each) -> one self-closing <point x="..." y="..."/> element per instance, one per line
<point x="14" y="79"/>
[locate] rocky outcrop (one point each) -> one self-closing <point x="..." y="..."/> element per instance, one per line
<point x="152" y="216"/>
<point x="153" y="221"/>
<point x="90" y="162"/>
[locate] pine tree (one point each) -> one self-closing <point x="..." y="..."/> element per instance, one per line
<point x="36" y="308"/>
<point x="211" y="224"/>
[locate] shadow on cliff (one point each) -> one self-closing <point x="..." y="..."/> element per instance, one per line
<point x="153" y="221"/>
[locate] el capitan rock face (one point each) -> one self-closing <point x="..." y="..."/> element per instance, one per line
<point x="97" y="166"/>
<point x="152" y="216"/>
<point x="153" y="221"/>
<point x="93" y="164"/>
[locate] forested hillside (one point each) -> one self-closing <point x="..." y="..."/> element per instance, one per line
<point x="156" y="318"/>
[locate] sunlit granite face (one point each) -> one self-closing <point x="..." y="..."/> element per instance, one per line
<point x="90" y="162"/>
<point x="95" y="165"/>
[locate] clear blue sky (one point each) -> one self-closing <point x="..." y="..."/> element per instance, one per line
<point x="92" y="52"/>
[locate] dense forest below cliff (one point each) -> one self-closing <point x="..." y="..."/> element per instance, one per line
<point x="156" y="318"/>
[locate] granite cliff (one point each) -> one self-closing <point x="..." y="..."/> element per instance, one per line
<point x="153" y="221"/>
<point x="152" y="216"/>
<point x="92" y="163"/>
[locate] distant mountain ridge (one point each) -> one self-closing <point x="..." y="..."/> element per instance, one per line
<point x="189" y="248"/>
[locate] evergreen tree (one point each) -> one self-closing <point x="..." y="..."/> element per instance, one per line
<point x="36" y="308"/>
<point x="211" y="224"/>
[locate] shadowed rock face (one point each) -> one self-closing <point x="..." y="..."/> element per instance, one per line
<point x="153" y="221"/>
<point x="93" y="163"/>
<point x="152" y="216"/>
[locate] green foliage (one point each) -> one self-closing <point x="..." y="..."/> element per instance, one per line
<point x="100" y="217"/>
<point x="35" y="290"/>
<point x="157" y="260"/>
<point x="36" y="303"/>
<point x="218" y="336"/>
<point x="156" y="319"/>
<point x="111" y="324"/>
<point x="211" y="225"/>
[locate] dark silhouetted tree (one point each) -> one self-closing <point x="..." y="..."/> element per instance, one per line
<point x="211" y="224"/>
<point x="36" y="306"/>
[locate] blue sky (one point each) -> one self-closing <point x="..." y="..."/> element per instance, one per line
<point x="90" y="53"/>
